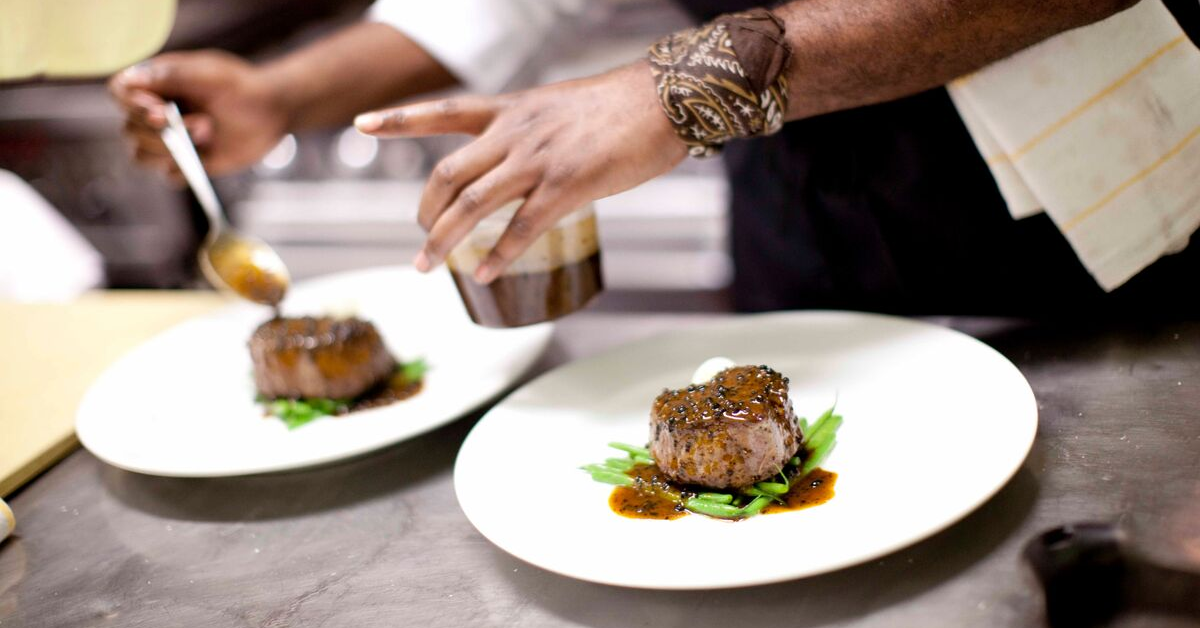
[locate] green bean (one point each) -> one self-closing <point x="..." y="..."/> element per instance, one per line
<point x="413" y="371"/>
<point x="816" y="458"/>
<point x="716" y="498"/>
<point x="619" y="464"/>
<point x="795" y="461"/>
<point x="602" y="468"/>
<point x="772" y="488"/>
<point x="754" y="492"/>
<point x="756" y="506"/>
<point x="631" y="449"/>
<point x="803" y="423"/>
<point x="827" y="433"/>
<point x="722" y="511"/>
<point x="611" y="477"/>
<point x="640" y="459"/>
<point x="816" y="425"/>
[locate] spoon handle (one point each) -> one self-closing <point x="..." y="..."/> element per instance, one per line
<point x="180" y="145"/>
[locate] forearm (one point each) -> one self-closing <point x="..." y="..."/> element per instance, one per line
<point x="365" y="66"/>
<point x="848" y="53"/>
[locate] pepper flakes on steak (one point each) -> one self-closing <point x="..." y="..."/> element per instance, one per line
<point x="737" y="429"/>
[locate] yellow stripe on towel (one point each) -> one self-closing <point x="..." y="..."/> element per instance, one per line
<point x="1077" y="111"/>
<point x="1145" y="172"/>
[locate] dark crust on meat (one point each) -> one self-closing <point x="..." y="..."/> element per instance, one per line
<point x="737" y="429"/>
<point x="318" y="357"/>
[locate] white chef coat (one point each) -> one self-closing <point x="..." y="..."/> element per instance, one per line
<point x="484" y="43"/>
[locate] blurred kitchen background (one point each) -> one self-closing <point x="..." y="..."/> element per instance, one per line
<point x="337" y="200"/>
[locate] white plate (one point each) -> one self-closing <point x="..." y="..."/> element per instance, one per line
<point x="935" y="423"/>
<point x="182" y="404"/>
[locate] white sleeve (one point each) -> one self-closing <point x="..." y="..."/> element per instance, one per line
<point x="482" y="42"/>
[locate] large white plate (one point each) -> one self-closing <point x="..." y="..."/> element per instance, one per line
<point x="182" y="404"/>
<point x="935" y="423"/>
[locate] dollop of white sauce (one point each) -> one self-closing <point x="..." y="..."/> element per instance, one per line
<point x="709" y="368"/>
<point x="343" y="308"/>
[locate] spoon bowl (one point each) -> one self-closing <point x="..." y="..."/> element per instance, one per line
<point x="245" y="266"/>
<point x="229" y="260"/>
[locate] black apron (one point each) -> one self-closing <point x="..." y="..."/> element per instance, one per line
<point x="890" y="208"/>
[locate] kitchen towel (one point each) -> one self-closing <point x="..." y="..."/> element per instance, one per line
<point x="1097" y="127"/>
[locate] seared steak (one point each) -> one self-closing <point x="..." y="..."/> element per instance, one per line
<point x="735" y="430"/>
<point x="318" y="357"/>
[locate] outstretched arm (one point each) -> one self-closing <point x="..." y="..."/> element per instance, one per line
<point x="561" y="145"/>
<point x="848" y="54"/>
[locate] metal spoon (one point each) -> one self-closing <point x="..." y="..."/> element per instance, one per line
<point x="229" y="260"/>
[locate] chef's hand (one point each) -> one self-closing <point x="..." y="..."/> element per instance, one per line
<point x="233" y="116"/>
<point x="557" y="146"/>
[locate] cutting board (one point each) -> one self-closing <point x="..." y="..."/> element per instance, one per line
<point x="51" y="352"/>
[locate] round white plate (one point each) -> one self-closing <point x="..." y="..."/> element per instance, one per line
<point x="182" y="404"/>
<point x="935" y="423"/>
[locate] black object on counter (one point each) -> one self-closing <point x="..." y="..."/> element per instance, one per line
<point x="1090" y="574"/>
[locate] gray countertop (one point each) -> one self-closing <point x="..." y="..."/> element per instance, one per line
<point x="380" y="541"/>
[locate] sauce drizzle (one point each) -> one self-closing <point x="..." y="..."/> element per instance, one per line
<point x="396" y="388"/>
<point x="652" y="496"/>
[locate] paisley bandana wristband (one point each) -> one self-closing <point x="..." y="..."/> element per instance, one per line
<point x="723" y="80"/>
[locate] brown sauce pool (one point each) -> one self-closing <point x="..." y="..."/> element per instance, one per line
<point x="651" y="497"/>
<point x="654" y="497"/>
<point x="396" y="388"/>
<point x="815" y="489"/>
